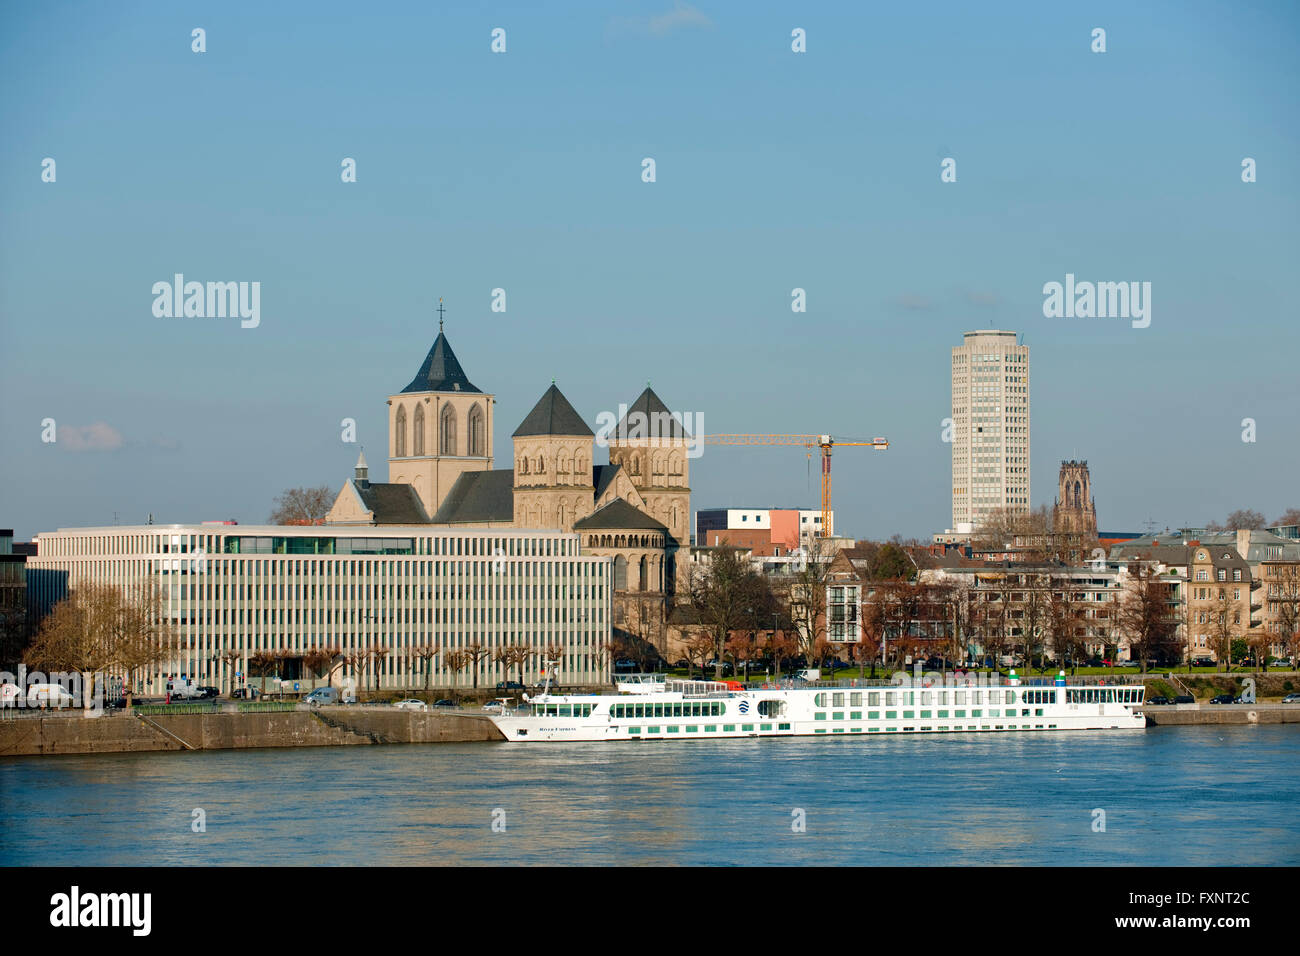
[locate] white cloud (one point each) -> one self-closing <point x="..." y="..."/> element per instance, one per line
<point x="680" y="16"/>
<point x="97" y="437"/>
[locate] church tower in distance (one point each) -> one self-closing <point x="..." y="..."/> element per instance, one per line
<point x="1076" y="509"/>
<point x="439" y="427"/>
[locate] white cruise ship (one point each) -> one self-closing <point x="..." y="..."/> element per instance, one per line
<point x="690" y="710"/>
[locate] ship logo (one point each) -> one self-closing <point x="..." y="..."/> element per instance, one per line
<point x="744" y="706"/>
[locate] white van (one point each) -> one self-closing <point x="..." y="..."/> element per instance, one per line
<point x="322" y="697"/>
<point x="49" y="695"/>
<point x="182" y="688"/>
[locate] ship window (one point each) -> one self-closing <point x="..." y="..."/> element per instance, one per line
<point x="820" y="715"/>
<point x="855" y="715"/>
<point x="692" y="728"/>
<point x="891" y="698"/>
<point x="564" y="710"/>
<point x="977" y="713"/>
<point x="873" y="698"/>
<point x="673" y="729"/>
<point x="659" y="710"/>
<point x="838" y="715"/>
<point x="891" y="715"/>
<point x="927" y="697"/>
<point x="653" y="730"/>
<point x="943" y="713"/>
<point x="959" y="697"/>
<point x="909" y="714"/>
<point x="837" y="700"/>
<point x="710" y="728"/>
<point x="926" y="713"/>
<point x="745" y="727"/>
<point x="634" y="730"/>
<point x="873" y="715"/>
<point x="959" y="713"/>
<point x="819" y="700"/>
<point x="855" y="700"/>
<point x="782" y="726"/>
<point x="728" y="728"/>
<point x="1038" y="712"/>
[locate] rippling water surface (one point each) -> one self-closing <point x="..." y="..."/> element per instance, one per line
<point x="1171" y="796"/>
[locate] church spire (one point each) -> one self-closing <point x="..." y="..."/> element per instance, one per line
<point x="440" y="311"/>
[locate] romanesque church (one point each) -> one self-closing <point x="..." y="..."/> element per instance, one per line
<point x="635" y="509"/>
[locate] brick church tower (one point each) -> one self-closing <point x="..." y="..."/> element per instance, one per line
<point x="1076" y="509"/>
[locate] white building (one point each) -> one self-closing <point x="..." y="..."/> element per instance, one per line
<point x="990" y="423"/>
<point x="234" y="591"/>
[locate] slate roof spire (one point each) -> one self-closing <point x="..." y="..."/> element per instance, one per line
<point x="441" y="371"/>
<point x="553" y="415"/>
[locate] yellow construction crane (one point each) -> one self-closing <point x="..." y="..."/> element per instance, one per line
<point x="825" y="442"/>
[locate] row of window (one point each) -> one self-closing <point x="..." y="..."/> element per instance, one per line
<point x="892" y="697"/>
<point x="924" y="715"/>
<point x="709" y="728"/>
<point x="678" y="709"/>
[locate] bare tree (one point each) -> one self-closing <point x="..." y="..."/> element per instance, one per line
<point x="723" y="594"/>
<point x="98" y="628"/>
<point x="1245" y="518"/>
<point x="1290" y="516"/>
<point x="425" y="653"/>
<point x="1143" y="615"/>
<point x="808" y="600"/>
<point x="302" y="506"/>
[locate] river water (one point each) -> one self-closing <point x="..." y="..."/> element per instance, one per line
<point x="1165" y="796"/>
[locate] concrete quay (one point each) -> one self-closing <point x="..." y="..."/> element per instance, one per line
<point x="318" y="727"/>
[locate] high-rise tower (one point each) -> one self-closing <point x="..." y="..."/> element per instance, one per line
<point x="990" y="427"/>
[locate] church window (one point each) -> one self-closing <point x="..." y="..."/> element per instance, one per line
<point x="477" y="445"/>
<point x="523" y="465"/>
<point x="541" y="465"/>
<point x="418" y="434"/>
<point x="636" y="465"/>
<point x="399" y="439"/>
<point x="620" y="573"/>
<point x="447" y="431"/>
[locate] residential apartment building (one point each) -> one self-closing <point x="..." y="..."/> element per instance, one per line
<point x="990" y="427"/>
<point x="231" y="593"/>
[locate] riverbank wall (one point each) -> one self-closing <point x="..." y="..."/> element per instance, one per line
<point x="320" y="727"/>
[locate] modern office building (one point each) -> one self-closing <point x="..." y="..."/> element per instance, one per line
<point x="990" y="427"/>
<point x="232" y="592"/>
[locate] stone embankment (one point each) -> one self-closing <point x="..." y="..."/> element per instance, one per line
<point x="1187" y="714"/>
<point x="322" y="727"/>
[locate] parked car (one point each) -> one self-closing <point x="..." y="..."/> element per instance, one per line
<point x="712" y="665"/>
<point x="411" y="704"/>
<point x="322" y="696"/>
<point x="1157" y="701"/>
<point x="245" y="693"/>
<point x="835" y="664"/>
<point x="1203" y="662"/>
<point x="49" y="695"/>
<point x="1223" y="699"/>
<point x="1291" y="699"/>
<point x="444" y="703"/>
<point x="509" y="685"/>
<point x="208" y="693"/>
<point x="1184" y="699"/>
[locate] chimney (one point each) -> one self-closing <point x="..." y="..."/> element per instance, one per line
<point x="1243" y="542"/>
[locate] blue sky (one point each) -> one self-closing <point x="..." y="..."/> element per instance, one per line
<point x="522" y="171"/>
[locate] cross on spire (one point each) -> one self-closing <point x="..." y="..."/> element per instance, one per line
<point x="440" y="311"/>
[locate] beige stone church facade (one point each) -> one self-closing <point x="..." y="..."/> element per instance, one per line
<point x="635" y="509"/>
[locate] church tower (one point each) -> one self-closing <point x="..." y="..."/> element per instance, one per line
<point x="439" y="426"/>
<point x="651" y="446"/>
<point x="1076" y="509"/>
<point x="553" y="482"/>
